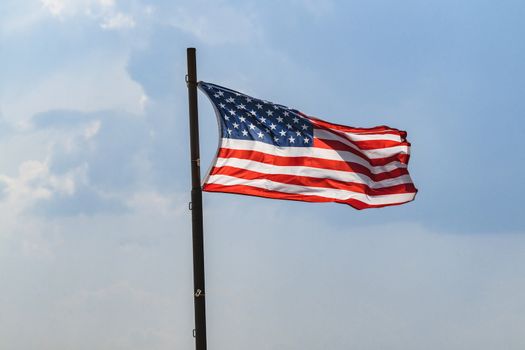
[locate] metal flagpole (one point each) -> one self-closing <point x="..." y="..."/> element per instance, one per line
<point x="196" y="207"/>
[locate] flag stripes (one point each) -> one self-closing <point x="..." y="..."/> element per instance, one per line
<point x="314" y="181"/>
<point x="293" y="156"/>
<point x="303" y="165"/>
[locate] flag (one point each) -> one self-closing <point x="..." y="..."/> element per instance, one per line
<point x="270" y="150"/>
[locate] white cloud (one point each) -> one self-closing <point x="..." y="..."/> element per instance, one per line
<point x="107" y="3"/>
<point x="68" y="8"/>
<point x="103" y="11"/>
<point x="144" y="101"/>
<point x="92" y="129"/>
<point x="27" y="184"/>
<point x="55" y="7"/>
<point x="19" y="16"/>
<point x="34" y="182"/>
<point x="216" y="23"/>
<point x="50" y="291"/>
<point x="118" y="21"/>
<point x="98" y="82"/>
<point x="125" y="282"/>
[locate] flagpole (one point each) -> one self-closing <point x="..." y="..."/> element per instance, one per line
<point x="196" y="207"/>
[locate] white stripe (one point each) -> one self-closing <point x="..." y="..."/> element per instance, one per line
<point x="372" y="153"/>
<point x="372" y="137"/>
<point x="311" y="191"/>
<point x="311" y="172"/>
<point x="364" y="135"/>
<point x="314" y="152"/>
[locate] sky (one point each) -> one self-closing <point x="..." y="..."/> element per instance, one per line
<point x="95" y="232"/>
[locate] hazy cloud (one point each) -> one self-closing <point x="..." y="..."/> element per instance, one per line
<point x="118" y="21"/>
<point x="216" y="23"/>
<point x="95" y="239"/>
<point x="93" y="83"/>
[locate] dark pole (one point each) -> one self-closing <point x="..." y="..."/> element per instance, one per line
<point x="196" y="207"/>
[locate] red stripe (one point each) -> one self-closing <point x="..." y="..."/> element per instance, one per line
<point x="340" y="146"/>
<point x="377" y="144"/>
<point x="313" y="181"/>
<point x="259" y="192"/>
<point x="365" y="144"/>
<point x="310" y="162"/>
<point x="382" y="129"/>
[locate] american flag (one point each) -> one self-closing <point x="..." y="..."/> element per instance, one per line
<point x="270" y="150"/>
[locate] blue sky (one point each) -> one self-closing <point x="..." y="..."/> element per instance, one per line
<point x="95" y="236"/>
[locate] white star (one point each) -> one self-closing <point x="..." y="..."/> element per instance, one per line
<point x="298" y="133"/>
<point x="242" y="119"/>
<point x="229" y="131"/>
<point x="226" y="117"/>
<point x="252" y="112"/>
<point x="231" y="100"/>
<point x="216" y="95"/>
<point x="304" y="126"/>
<point x="306" y="140"/>
<point x="273" y="126"/>
<point x="237" y="94"/>
<point x="220" y="93"/>
<point x="276" y="139"/>
<point x="269" y="112"/>
<point x="259" y="106"/>
<point x="291" y="139"/>
<point x="232" y="112"/>
<point x="251" y="126"/>
<point x="260" y="134"/>
<point x="209" y="87"/>
<point x="236" y="126"/>
<point x="282" y="132"/>
<point x="286" y="114"/>
<point x="241" y="106"/>
<point x="222" y="105"/>
<point x="288" y="126"/>
<point x="244" y="133"/>
<point x="248" y="99"/>
<point x="296" y="120"/>
<point x="263" y="119"/>
<point x="275" y="107"/>
<point x="280" y="119"/>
